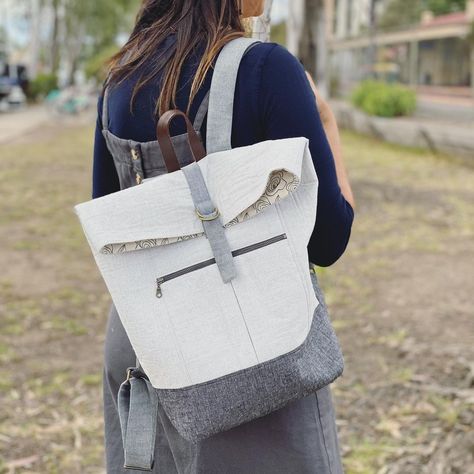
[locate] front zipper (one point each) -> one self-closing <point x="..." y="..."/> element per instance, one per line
<point x="212" y="261"/>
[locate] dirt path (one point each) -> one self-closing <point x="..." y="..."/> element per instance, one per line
<point x="29" y="123"/>
<point x="21" y="122"/>
<point x="400" y="299"/>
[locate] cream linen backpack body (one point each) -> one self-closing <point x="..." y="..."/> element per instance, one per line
<point x="208" y="268"/>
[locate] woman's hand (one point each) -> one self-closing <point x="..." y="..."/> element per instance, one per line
<point x="328" y="120"/>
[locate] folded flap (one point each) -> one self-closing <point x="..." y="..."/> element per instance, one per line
<point x="242" y="182"/>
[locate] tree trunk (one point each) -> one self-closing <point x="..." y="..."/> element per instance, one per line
<point x="35" y="37"/>
<point x="73" y="67"/>
<point x="294" y="25"/>
<point x="372" y="50"/>
<point x="472" y="68"/>
<point x="313" y="44"/>
<point x="74" y="41"/>
<point x="55" y="53"/>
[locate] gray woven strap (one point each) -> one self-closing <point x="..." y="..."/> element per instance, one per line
<point x="105" y="109"/>
<point x="221" y="100"/>
<point x="213" y="228"/>
<point x="138" y="411"/>
<point x="201" y="113"/>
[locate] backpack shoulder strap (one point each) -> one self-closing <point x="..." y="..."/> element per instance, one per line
<point x="221" y="99"/>
<point x="201" y="113"/>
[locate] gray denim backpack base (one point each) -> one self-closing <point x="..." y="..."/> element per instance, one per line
<point x="206" y="262"/>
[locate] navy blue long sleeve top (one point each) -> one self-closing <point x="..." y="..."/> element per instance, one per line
<point x="273" y="100"/>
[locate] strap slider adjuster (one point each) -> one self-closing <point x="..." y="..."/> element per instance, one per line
<point x="215" y="214"/>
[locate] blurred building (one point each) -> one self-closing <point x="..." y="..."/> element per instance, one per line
<point x="435" y="51"/>
<point x="21" y="24"/>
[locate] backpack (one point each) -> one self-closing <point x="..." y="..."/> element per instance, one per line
<point x="208" y="268"/>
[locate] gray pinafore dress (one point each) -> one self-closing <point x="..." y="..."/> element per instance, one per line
<point x="300" y="438"/>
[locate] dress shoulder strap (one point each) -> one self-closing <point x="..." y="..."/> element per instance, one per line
<point x="221" y="99"/>
<point x="105" y="109"/>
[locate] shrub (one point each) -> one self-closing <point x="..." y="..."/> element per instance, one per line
<point x="384" y="100"/>
<point x="42" y="85"/>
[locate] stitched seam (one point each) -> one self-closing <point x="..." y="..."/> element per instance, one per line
<point x="178" y="344"/>
<point x="245" y="322"/>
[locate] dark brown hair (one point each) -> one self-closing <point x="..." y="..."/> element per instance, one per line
<point x="208" y="23"/>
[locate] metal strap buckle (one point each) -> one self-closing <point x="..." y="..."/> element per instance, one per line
<point x="209" y="217"/>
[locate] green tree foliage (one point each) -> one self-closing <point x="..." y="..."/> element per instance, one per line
<point x="92" y="27"/>
<point x="82" y="29"/>
<point x="441" y="7"/>
<point x="401" y="13"/>
<point x="99" y="21"/>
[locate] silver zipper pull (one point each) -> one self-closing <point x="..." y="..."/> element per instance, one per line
<point x="159" y="282"/>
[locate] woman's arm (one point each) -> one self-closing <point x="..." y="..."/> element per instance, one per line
<point x="288" y="109"/>
<point x="328" y="120"/>
<point x="104" y="176"/>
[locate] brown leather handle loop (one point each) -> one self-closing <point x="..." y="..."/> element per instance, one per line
<point x="166" y="145"/>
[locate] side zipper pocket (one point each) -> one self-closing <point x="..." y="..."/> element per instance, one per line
<point x="212" y="261"/>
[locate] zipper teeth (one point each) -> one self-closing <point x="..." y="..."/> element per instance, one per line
<point x="183" y="271"/>
<point x="258" y="245"/>
<point x="211" y="261"/>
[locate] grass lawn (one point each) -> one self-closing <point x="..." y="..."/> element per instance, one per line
<point x="400" y="299"/>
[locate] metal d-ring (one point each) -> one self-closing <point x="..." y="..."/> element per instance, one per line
<point x="208" y="217"/>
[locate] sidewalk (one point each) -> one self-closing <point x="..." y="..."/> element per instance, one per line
<point x="15" y="124"/>
<point x="445" y="108"/>
<point x="449" y="103"/>
<point x="434" y="131"/>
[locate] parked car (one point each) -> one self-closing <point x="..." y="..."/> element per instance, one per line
<point x="17" y="97"/>
<point x="13" y="85"/>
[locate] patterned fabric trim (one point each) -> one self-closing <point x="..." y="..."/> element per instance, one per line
<point x="280" y="184"/>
